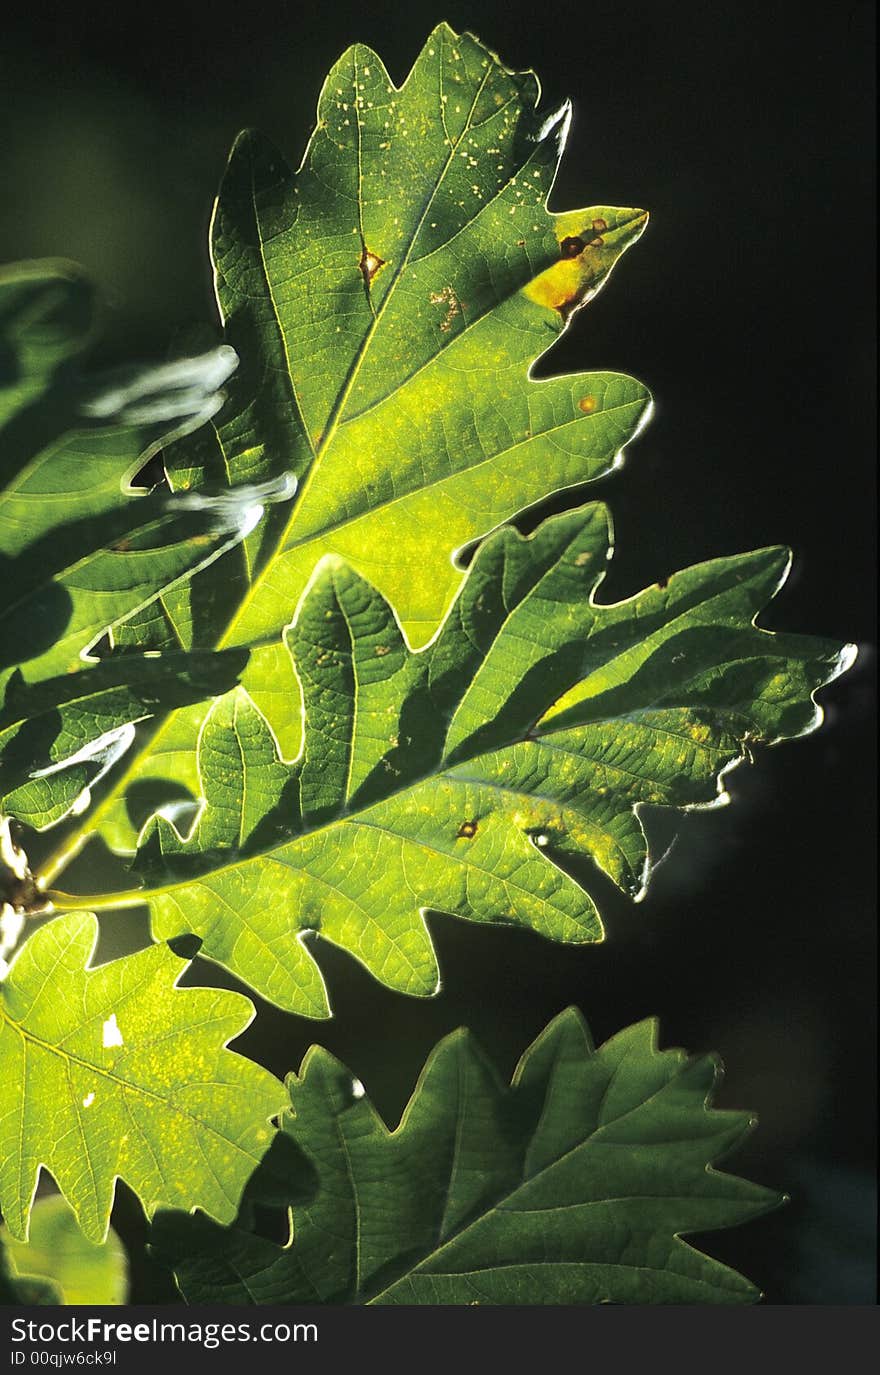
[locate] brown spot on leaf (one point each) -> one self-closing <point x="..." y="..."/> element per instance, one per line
<point x="571" y="247"/>
<point x="600" y="225"/>
<point x="467" y="830"/>
<point x="581" y="560"/>
<point x="369" y="264"/>
<point x="380" y="651"/>
<point x="587" y="404"/>
<point x="596" y="243"/>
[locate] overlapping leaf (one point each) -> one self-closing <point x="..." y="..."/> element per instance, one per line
<point x="79" y="551"/>
<point x="68" y="446"/>
<point x="113" y="1072"/>
<point x="58" y="738"/>
<point x="573" y="1185"/>
<point x="464" y="776"/>
<point x="387" y="302"/>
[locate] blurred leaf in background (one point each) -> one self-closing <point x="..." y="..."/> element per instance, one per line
<point x="58" y="1256"/>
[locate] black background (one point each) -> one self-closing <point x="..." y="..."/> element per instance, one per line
<point x="747" y="308"/>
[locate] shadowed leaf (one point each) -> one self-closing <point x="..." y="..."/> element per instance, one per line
<point x="80" y="550"/>
<point x="574" y="1184"/>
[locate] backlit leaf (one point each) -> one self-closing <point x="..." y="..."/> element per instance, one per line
<point x="388" y="301"/>
<point x="113" y="1072"/>
<point x="468" y="776"/>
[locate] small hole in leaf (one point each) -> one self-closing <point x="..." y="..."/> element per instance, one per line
<point x="151" y="475"/>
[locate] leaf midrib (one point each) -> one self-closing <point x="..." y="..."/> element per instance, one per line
<point x="505" y="1197"/>
<point x="55" y="863"/>
<point x="68" y="1058"/>
<point x="135" y="897"/>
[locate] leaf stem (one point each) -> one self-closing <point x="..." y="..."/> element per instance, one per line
<point x="96" y="902"/>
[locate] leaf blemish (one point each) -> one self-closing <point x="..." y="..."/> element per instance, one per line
<point x="369" y="264"/>
<point x="587" y="404"/>
<point x="467" y="830"/>
<point x="447" y="298"/>
<point x="571" y="247"/>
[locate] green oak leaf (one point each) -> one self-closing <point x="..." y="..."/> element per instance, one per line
<point x="388" y="301"/>
<point x="113" y="1072"/>
<point x="468" y="777"/>
<point x="80" y="549"/>
<point x="574" y="1184"/>
<point x="59" y="1256"/>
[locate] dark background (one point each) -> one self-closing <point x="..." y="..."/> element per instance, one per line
<point x="747" y="308"/>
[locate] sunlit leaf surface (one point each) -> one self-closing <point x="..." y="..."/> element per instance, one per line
<point x="468" y="776"/>
<point x="388" y="301"/>
<point x="115" y="1072"/>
